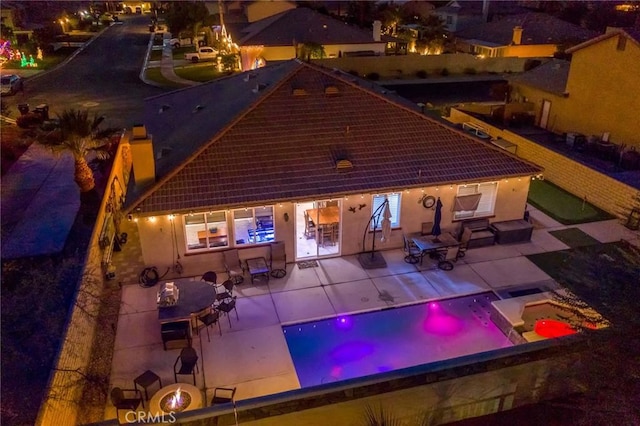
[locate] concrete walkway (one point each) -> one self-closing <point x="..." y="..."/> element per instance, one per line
<point x="166" y="63"/>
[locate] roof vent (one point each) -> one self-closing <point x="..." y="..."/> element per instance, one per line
<point x="344" y="165"/>
<point x="164" y="152"/>
<point x="299" y="92"/>
<point x="259" y="87"/>
<point x="331" y="90"/>
<point x="250" y="76"/>
<point x="163" y="108"/>
<point x="197" y="108"/>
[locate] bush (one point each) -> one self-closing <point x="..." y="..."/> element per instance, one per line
<point x="470" y="71"/>
<point x="421" y="74"/>
<point x="444" y="72"/>
<point x="373" y="76"/>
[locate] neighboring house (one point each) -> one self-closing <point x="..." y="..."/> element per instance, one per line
<point x="236" y="163"/>
<point x="596" y="94"/>
<point x="525" y="35"/>
<point x="250" y="11"/>
<point x="458" y="15"/>
<point x="13" y="17"/>
<point x="281" y="37"/>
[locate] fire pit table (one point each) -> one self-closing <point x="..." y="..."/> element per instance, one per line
<point x="175" y="398"/>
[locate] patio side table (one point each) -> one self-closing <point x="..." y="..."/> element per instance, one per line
<point x="145" y="380"/>
<point x="258" y="268"/>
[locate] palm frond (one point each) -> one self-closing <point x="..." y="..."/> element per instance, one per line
<point x="380" y="417"/>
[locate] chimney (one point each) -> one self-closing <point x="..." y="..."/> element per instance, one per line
<point x="144" y="166"/>
<point x="377" y="30"/>
<point x="517" y="35"/>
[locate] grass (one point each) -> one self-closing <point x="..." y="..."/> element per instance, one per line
<point x="178" y="53"/>
<point x="155" y="55"/>
<point x="563" y="206"/>
<point x="48" y="61"/>
<point x="155" y="75"/>
<point x="574" y="237"/>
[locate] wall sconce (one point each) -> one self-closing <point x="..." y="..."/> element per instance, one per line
<point x="286" y="217"/>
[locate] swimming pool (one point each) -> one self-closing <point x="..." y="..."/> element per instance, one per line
<point x="359" y="345"/>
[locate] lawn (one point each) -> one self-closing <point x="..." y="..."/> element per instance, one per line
<point x="154" y="74"/>
<point x="49" y="60"/>
<point x="563" y="206"/>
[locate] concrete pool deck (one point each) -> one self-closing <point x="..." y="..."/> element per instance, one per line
<point x="253" y="355"/>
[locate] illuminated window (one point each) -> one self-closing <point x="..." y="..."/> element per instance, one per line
<point x="253" y="225"/>
<point x="467" y="205"/>
<point x="205" y="231"/>
<point x="394" y="207"/>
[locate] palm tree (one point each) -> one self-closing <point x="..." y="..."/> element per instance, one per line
<point x="79" y="134"/>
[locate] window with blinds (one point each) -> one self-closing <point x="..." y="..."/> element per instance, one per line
<point x="394" y="206"/>
<point x="487" y="202"/>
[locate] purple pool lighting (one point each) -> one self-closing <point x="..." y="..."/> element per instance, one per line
<point x="359" y="345"/>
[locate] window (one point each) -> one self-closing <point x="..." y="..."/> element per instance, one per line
<point x="206" y="230"/>
<point x="449" y="19"/>
<point x="487" y="192"/>
<point x="394" y="207"/>
<point x="253" y="225"/>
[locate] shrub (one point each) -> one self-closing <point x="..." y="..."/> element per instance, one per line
<point x="444" y="72"/>
<point x="470" y="71"/>
<point x="373" y="76"/>
<point x="421" y="74"/>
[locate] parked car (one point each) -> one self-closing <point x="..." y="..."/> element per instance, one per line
<point x="11" y="84"/>
<point x="174" y="42"/>
<point x="205" y="53"/>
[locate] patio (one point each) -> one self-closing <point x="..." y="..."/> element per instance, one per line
<point x="253" y="355"/>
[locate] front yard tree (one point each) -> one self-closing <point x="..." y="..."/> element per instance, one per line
<point x="79" y="134"/>
<point x="185" y="16"/>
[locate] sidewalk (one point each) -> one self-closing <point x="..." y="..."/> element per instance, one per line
<point x="166" y="63"/>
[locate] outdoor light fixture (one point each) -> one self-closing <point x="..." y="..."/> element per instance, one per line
<point x="171" y="217"/>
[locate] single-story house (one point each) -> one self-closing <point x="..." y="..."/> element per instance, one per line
<point x="246" y="160"/>
<point x="524" y="35"/>
<point x="282" y="37"/>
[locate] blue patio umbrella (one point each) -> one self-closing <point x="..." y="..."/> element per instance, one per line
<point x="436" y="219"/>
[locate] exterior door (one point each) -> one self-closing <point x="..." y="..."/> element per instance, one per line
<point x="544" y="117"/>
<point x="318" y="230"/>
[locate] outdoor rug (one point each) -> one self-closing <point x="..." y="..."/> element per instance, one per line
<point x="574" y="237"/>
<point x="307" y="264"/>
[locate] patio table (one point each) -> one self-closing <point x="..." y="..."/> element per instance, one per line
<point x="258" y="267"/>
<point x="324" y="215"/>
<point x="430" y="243"/>
<point x="194" y="296"/>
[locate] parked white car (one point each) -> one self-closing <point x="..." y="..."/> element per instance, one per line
<point x="205" y="53"/>
<point x="10" y="84"/>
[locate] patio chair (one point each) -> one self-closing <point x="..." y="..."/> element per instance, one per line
<point x="208" y="317"/>
<point x="129" y="402"/>
<point x="210" y="277"/>
<point x="447" y="257"/>
<point x="464" y="242"/>
<point x="234" y="268"/>
<point x="411" y="251"/>
<point x="188" y="360"/>
<point x="278" y="260"/>
<point x="227" y="293"/>
<point x="226" y="306"/>
<point x="225" y="396"/>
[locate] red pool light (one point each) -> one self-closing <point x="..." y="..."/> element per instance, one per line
<point x="552" y="328"/>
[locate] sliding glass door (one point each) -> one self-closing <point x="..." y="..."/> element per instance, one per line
<point x="318" y="229"/>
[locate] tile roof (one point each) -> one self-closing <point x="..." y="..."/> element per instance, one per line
<point x="632" y="34"/>
<point x="302" y="25"/>
<point x="252" y="147"/>
<point x="474" y="7"/>
<point x="551" y="77"/>
<point x="537" y="28"/>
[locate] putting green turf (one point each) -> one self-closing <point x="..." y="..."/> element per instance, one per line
<point x="563" y="206"/>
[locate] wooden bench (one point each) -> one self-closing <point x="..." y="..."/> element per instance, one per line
<point x="481" y="234"/>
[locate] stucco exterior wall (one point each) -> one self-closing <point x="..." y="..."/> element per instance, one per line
<point x="408" y="65"/>
<point x="602" y="94"/>
<point x="597" y="188"/>
<point x="528" y="50"/>
<point x="157" y="241"/>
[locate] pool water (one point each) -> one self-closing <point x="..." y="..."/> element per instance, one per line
<point x="359" y="345"/>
